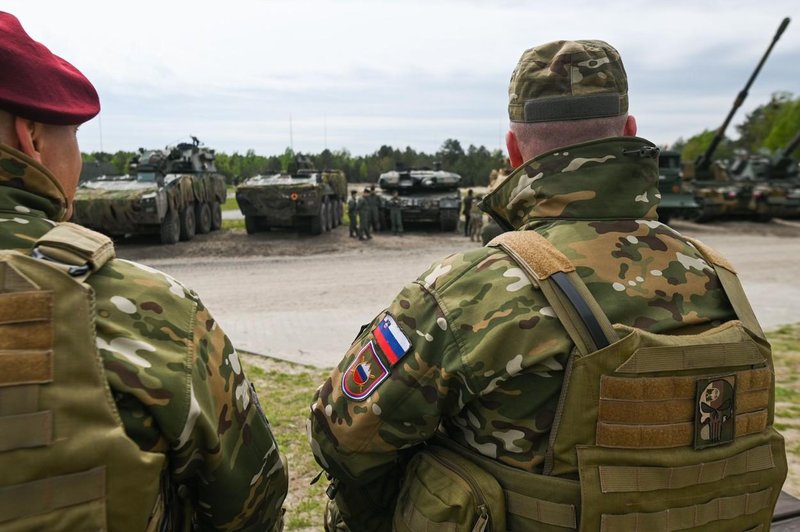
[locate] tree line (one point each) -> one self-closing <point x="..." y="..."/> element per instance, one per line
<point x="768" y="128"/>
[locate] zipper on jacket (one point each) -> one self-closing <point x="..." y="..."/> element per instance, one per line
<point x="548" y="455"/>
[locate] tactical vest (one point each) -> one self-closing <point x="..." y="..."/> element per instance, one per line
<point x="653" y="432"/>
<point x="65" y="460"/>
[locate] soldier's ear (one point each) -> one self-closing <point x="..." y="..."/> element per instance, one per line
<point x="28" y="133"/>
<point x="630" y="127"/>
<point x="514" y="155"/>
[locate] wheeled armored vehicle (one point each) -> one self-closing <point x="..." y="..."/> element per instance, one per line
<point x="175" y="193"/>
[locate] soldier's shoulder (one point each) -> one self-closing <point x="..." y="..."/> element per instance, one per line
<point x="465" y="270"/>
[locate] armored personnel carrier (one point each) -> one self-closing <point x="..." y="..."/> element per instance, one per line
<point x="302" y="198"/>
<point x="427" y="196"/>
<point x="717" y="192"/>
<point x="174" y="192"/>
<point x="677" y="198"/>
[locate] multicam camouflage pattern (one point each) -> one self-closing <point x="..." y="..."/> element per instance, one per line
<point x="140" y="203"/>
<point x="488" y="355"/>
<point x="426" y="196"/>
<point x="176" y="378"/>
<point x="567" y="69"/>
<point x="306" y="198"/>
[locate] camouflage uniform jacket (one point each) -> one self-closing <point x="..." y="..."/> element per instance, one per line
<point x="176" y="378"/>
<point x="487" y="355"/>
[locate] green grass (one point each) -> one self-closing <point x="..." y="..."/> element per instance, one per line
<point x="230" y="203"/>
<point x="285" y="391"/>
<point x="233" y="224"/>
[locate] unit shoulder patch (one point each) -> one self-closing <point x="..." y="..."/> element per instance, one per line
<point x="364" y="374"/>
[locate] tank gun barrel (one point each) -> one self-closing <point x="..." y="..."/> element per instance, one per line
<point x="790" y="148"/>
<point x="704" y="161"/>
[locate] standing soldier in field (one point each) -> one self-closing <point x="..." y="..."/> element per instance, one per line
<point x="149" y="420"/>
<point x="494" y="393"/>
<point x="364" y="209"/>
<point x="374" y="210"/>
<point x="466" y="210"/>
<point x="352" y="212"/>
<point x="475" y="220"/>
<point x="396" y="214"/>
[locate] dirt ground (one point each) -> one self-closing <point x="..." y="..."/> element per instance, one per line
<point x="237" y="243"/>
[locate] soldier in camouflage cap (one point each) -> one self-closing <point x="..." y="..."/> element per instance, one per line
<point x="470" y="350"/>
<point x="176" y="379"/>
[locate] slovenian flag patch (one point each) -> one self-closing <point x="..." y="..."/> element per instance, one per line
<point x="391" y="340"/>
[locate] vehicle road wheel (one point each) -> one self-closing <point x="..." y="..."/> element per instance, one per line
<point x="316" y="225"/>
<point x="188" y="223"/>
<point x="255" y="224"/>
<point x="448" y="220"/>
<point x="170" y="228"/>
<point x="202" y="214"/>
<point x="216" y="216"/>
<point x="323" y="213"/>
<point x="331" y="214"/>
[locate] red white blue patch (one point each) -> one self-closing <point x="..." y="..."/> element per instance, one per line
<point x="391" y="340"/>
<point x="364" y="374"/>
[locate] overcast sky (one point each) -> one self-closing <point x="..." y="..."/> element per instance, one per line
<point x="357" y="74"/>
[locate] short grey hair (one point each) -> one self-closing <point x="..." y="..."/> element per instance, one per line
<point x="539" y="137"/>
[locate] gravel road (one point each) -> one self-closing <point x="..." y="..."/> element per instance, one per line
<point x="303" y="298"/>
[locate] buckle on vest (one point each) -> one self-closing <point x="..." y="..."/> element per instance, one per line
<point x="72" y="270"/>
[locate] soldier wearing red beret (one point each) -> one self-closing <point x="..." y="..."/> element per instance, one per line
<point x="129" y="409"/>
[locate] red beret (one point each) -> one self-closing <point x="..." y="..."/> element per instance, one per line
<point x="37" y="84"/>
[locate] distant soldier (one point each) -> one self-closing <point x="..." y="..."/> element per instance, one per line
<point x="352" y="212"/>
<point x="395" y="214"/>
<point x="364" y="215"/>
<point x="123" y="404"/>
<point x="374" y="210"/>
<point x="467" y="210"/>
<point x="475" y="220"/>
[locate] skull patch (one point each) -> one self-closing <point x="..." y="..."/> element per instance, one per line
<point x="715" y="405"/>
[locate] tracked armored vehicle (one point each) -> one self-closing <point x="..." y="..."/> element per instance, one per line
<point x="426" y="196"/>
<point x="304" y="198"/>
<point x="175" y="193"/>
<point x="677" y="198"/>
<point x="719" y="192"/>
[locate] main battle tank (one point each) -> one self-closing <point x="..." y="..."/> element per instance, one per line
<point x="174" y="192"/>
<point x="302" y="198"/>
<point x="427" y="196"/>
<point x="719" y="193"/>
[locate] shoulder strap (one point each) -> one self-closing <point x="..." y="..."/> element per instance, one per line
<point x="78" y="249"/>
<point x="731" y="285"/>
<point x="551" y="271"/>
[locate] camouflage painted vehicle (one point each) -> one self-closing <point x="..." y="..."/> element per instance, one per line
<point x="717" y="191"/>
<point x="174" y="193"/>
<point x="302" y="198"/>
<point x="780" y="171"/>
<point x="677" y="197"/>
<point x="426" y="196"/>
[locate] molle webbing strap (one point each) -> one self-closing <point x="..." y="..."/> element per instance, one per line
<point x="25" y="367"/>
<point x="732" y="287"/>
<point x="692" y="357"/>
<point x="686" y="517"/>
<point x="573" y="304"/>
<point x="623" y="436"/>
<point x="74" y="245"/>
<point x="626" y="479"/>
<point x="546" y="512"/>
<point x="26" y="430"/>
<point x="43" y="496"/>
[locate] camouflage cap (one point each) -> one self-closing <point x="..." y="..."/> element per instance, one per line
<point x="568" y="80"/>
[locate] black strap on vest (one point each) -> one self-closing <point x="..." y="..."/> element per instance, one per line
<point x="582" y="308"/>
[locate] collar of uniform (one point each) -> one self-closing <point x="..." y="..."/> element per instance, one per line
<point x="612" y="178"/>
<point x="32" y="185"/>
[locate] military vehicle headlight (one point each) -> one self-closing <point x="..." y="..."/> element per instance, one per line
<point x="149" y="198"/>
